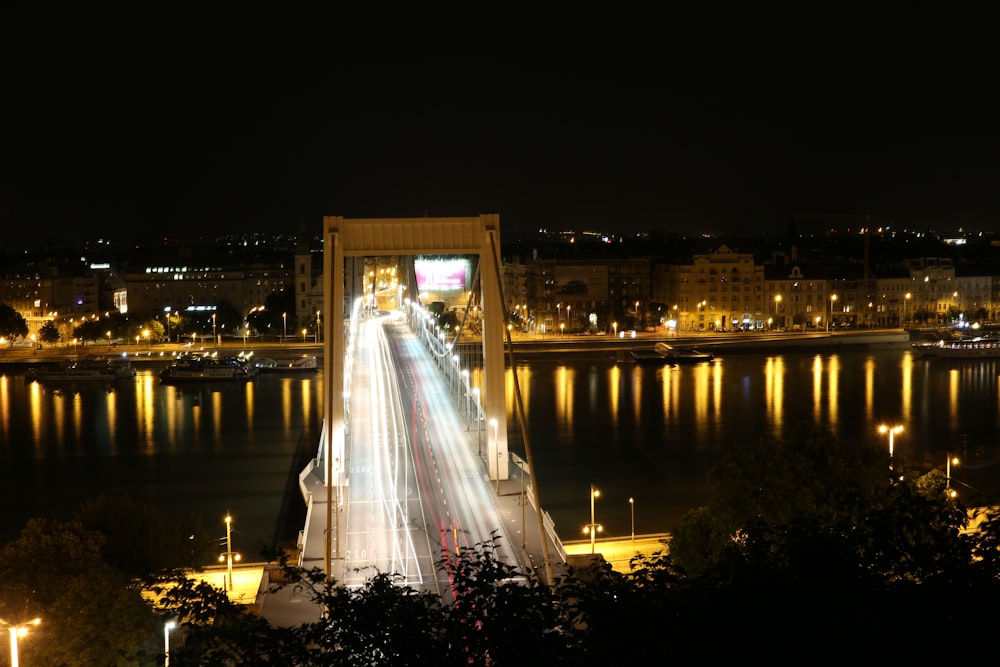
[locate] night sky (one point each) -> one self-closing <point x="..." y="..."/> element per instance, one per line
<point x="131" y="124"/>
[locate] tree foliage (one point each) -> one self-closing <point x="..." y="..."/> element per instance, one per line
<point x="48" y="333"/>
<point x="12" y="324"/>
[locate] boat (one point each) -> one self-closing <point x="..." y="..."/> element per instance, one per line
<point x="89" y="368"/>
<point x="961" y="348"/>
<point x="662" y="353"/>
<point x="200" y="367"/>
<point x="305" y="364"/>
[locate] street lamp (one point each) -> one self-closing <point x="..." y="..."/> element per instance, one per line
<point x="303" y="335"/>
<point x="631" y="506"/>
<point x="479" y="422"/>
<point x="947" y="480"/>
<point x="892" y="431"/>
<point x="16" y="632"/>
<point x="215" y="338"/>
<point x="638" y="322"/>
<point x="906" y="311"/>
<point x="496" y="443"/>
<point x="593" y="527"/>
<point x="833" y="298"/>
<point x="614" y="327"/>
<point x="777" y="300"/>
<point x="284" y="328"/>
<point x="230" y="556"/>
<point x="167" y="627"/>
<point x="145" y="334"/>
<point x="316" y="337"/>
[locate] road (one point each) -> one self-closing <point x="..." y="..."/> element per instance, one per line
<point x="417" y="495"/>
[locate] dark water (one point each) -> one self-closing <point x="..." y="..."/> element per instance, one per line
<point x="650" y="433"/>
<point x="207" y="450"/>
<point x="653" y="433"/>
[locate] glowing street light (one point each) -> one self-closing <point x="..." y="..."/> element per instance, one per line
<point x="947" y="480"/>
<point x="167" y="627"/>
<point x="229" y="556"/>
<point x="593" y="527"/>
<point x="631" y="506"/>
<point x="892" y="431"/>
<point x="833" y="298"/>
<point x="16" y="632"/>
<point x="284" y="328"/>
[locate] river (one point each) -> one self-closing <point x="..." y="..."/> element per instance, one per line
<point x="648" y="433"/>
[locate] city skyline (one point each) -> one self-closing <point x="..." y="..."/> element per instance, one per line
<point x="702" y="120"/>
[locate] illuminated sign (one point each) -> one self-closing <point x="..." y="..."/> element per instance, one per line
<point x="441" y="275"/>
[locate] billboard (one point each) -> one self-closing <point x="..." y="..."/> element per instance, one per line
<point x="442" y="275"/>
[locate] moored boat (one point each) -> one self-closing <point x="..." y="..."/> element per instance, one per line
<point x="962" y="348"/>
<point x="89" y="368"/>
<point x="206" y="367"/>
<point x="305" y="363"/>
<point x="662" y="353"/>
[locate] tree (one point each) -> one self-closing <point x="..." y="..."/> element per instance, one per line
<point x="48" y="333"/>
<point x="775" y="482"/>
<point x="12" y="324"/>
<point x="89" y="610"/>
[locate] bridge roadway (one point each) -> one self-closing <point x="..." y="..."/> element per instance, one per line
<point x="416" y="490"/>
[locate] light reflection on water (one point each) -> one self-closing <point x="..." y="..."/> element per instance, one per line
<point x="206" y="450"/>
<point x="651" y="433"/>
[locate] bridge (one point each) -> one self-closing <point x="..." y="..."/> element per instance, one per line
<point x="412" y="464"/>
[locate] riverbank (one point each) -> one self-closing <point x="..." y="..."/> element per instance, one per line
<point x="576" y="347"/>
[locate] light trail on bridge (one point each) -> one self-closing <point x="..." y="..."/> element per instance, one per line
<point x="417" y="494"/>
<point x="378" y="537"/>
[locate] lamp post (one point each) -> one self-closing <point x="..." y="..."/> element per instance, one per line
<point x="614" y="327"/>
<point x="496" y="443"/>
<point x="906" y="310"/>
<point x="631" y="507"/>
<point x="317" y="327"/>
<point x="892" y="431"/>
<point x="947" y="480"/>
<point x="284" y="328"/>
<point x="167" y="627"/>
<point x="777" y="300"/>
<point x="593" y="527"/>
<point x="229" y="551"/>
<point x="16" y="632"/>
<point x="215" y="338"/>
<point x="833" y="299"/>
<point x="465" y="377"/>
<point x="145" y="334"/>
<point x="638" y="322"/>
